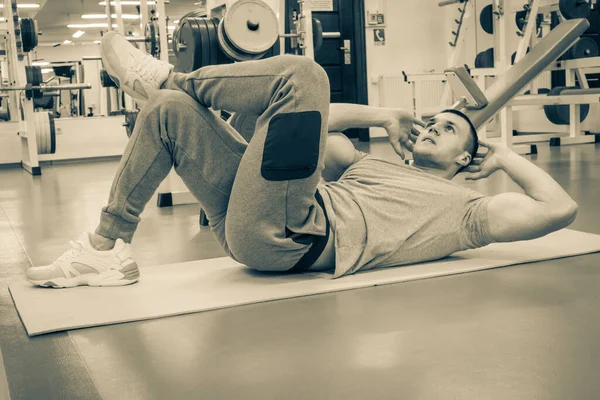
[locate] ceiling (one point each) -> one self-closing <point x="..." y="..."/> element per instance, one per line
<point x="54" y="15"/>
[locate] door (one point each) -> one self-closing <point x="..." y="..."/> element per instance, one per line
<point x="342" y="54"/>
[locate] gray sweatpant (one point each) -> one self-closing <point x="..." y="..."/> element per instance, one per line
<point x="260" y="197"/>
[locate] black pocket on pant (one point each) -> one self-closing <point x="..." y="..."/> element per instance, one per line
<point x="292" y="146"/>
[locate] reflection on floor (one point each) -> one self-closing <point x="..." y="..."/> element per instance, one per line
<point x="515" y="333"/>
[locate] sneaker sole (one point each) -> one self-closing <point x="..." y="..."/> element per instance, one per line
<point x="125" y="276"/>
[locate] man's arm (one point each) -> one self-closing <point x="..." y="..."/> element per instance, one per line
<point x="344" y="116"/>
<point x="544" y="208"/>
<point x="399" y="124"/>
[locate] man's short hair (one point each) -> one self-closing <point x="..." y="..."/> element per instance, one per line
<point x="472" y="144"/>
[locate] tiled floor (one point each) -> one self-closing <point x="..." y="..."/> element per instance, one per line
<point x="524" y="332"/>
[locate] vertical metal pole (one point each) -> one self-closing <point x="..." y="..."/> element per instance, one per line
<point x="480" y="80"/>
<point x="309" y="50"/>
<point x="162" y="29"/>
<point x="16" y="64"/>
<point x="530" y="29"/>
<point x="574" y="109"/>
<point x="143" y="18"/>
<point x="119" y="12"/>
<point x="108" y="15"/>
<point x="500" y="65"/>
<point x="456" y="52"/>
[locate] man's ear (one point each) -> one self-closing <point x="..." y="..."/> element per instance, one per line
<point x="464" y="159"/>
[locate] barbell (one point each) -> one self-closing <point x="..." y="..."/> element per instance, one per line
<point x="36" y="87"/>
<point x="151" y="39"/>
<point x="248" y="31"/>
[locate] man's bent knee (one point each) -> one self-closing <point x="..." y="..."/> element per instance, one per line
<point x="306" y="71"/>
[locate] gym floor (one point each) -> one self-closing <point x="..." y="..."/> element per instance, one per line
<point x="523" y="332"/>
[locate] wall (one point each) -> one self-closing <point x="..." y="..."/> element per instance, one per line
<point x="417" y="34"/>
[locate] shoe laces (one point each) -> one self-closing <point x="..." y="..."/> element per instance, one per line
<point x="146" y="68"/>
<point x="70" y="254"/>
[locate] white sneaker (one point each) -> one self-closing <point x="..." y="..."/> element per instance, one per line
<point x="138" y="74"/>
<point x="84" y="265"/>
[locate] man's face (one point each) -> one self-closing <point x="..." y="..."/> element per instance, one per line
<point x="442" y="141"/>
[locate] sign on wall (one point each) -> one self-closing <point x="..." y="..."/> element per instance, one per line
<point x="321" y="5"/>
<point x="379" y="36"/>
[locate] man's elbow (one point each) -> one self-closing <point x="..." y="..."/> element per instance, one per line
<point x="567" y="214"/>
<point x="572" y="212"/>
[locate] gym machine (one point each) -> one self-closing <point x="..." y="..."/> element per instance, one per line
<point x="560" y="110"/>
<point x="558" y="105"/>
<point x="25" y="84"/>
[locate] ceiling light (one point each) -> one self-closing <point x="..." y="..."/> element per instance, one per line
<point x="24" y="6"/>
<point x="78" y="34"/>
<point x="98" y="25"/>
<point x="97" y="41"/>
<point x="129" y="3"/>
<point x="40" y="63"/>
<point x="103" y="16"/>
<point x="67" y="42"/>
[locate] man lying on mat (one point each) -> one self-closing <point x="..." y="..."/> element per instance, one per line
<point x="264" y="198"/>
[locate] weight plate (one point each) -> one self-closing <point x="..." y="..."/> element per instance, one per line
<point x="251" y="26"/>
<point x="183" y="44"/>
<point x="317" y="35"/>
<point x="206" y="51"/>
<point x="486" y="19"/>
<point x="39" y="134"/>
<point x="46" y="124"/>
<point x="232" y="52"/>
<point x="52" y="133"/>
<point x="222" y="57"/>
<point x="33" y="74"/>
<point x="572" y="9"/>
<point x="584" y="48"/>
<point x="199" y="44"/>
<point x="189" y="45"/>
<point x="106" y="80"/>
<point x="551" y="110"/>
<point x="485" y="59"/>
<point x="478" y="60"/>
<point x="213" y="41"/>
<point x="29" y="35"/>
<point x="177" y="31"/>
<point x="43" y="132"/>
<point x="559" y="114"/>
<point x="152" y="36"/>
<point x="514" y="56"/>
<point x="521" y="18"/>
<point x="36" y="131"/>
